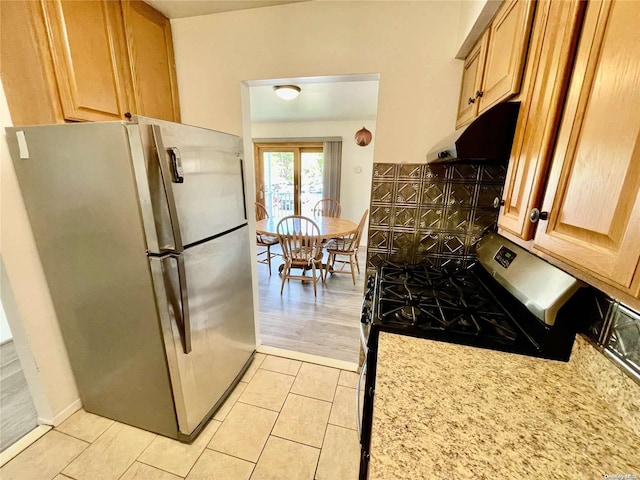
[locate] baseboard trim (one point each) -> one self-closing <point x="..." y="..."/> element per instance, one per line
<point x="306" y="357"/>
<point x="30" y="438"/>
<point x="63" y="415"/>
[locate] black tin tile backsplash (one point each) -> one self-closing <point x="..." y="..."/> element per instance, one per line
<point x="431" y="213"/>
<point x="615" y="329"/>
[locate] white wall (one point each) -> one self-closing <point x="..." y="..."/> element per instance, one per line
<point x="469" y="13"/>
<point x="27" y="301"/>
<point x="355" y="188"/>
<point x="410" y="44"/>
<point x="475" y="15"/>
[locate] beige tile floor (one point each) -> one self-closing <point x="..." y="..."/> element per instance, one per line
<point x="286" y="420"/>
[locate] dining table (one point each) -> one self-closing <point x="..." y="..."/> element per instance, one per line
<point x="330" y="227"/>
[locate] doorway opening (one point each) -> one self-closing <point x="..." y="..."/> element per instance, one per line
<point x="18" y="414"/>
<point x="290" y="177"/>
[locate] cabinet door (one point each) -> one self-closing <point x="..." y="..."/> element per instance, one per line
<point x="593" y="190"/>
<point x="150" y="47"/>
<point x="552" y="47"/>
<point x="471" y="80"/>
<point x="506" y="52"/>
<point x="85" y="47"/>
<point x="30" y="87"/>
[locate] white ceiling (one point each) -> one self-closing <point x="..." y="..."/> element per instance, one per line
<point x="193" y="8"/>
<point x="318" y="101"/>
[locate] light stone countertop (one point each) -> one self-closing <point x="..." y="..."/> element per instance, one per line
<point x="456" y="412"/>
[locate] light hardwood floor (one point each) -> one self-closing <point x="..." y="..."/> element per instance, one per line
<point x="17" y="412"/>
<point x="326" y="326"/>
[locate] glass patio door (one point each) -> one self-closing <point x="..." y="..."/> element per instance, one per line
<point x="279" y="188"/>
<point x="289" y="178"/>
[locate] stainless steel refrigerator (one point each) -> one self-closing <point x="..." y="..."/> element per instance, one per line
<point x="142" y="232"/>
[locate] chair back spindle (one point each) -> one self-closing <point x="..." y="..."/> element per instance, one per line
<point x="327" y="207"/>
<point x="266" y="241"/>
<point x="299" y="237"/>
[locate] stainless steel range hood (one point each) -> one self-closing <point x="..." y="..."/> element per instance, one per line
<point x="487" y="139"/>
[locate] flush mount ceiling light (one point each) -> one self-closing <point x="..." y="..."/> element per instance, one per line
<point x="287" y="92"/>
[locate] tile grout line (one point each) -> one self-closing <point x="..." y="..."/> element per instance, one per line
<point x="276" y="421"/>
<point x="136" y="459"/>
<point x="280" y="411"/>
<point x="162" y="469"/>
<point x="296" y="441"/>
<point x="315" y="473"/>
<point x="70" y="461"/>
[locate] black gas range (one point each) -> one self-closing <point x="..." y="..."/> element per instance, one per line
<point x="508" y="300"/>
<point x="450" y="306"/>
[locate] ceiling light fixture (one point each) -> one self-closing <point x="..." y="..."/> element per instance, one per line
<point x="287" y="92"/>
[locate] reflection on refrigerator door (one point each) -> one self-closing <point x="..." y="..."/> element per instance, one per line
<point x="218" y="281"/>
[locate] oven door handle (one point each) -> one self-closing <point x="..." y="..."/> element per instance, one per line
<point x="363" y="338"/>
<point x="358" y="390"/>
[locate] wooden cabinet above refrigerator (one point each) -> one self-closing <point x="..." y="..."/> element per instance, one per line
<point x="65" y="60"/>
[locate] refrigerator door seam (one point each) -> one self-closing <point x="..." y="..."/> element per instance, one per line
<point x="217" y="235"/>
<point x="244" y="193"/>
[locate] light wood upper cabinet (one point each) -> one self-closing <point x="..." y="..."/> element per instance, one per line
<point x="471" y="82"/>
<point x="85" y="46"/>
<point x="555" y="30"/>
<point x="30" y="86"/>
<point x="506" y="53"/>
<point x="86" y="60"/>
<point x="500" y="72"/>
<point x="593" y="192"/>
<point x="150" y="48"/>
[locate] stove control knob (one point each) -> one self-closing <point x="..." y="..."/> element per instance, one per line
<point x="365" y="317"/>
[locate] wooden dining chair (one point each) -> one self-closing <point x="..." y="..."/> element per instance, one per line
<point x="327" y="207"/>
<point x="346" y="246"/>
<point x="265" y="241"/>
<point x="301" y="248"/>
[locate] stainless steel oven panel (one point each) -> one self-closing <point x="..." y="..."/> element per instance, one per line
<point x="538" y="285"/>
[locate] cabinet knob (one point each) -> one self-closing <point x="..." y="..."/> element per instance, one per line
<point x="127" y="116"/>
<point x="479" y="93"/>
<point x="498" y="202"/>
<point x="536" y="215"/>
<point x="471" y="100"/>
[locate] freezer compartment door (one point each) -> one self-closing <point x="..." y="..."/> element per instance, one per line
<point x="218" y="304"/>
<point x="195" y="179"/>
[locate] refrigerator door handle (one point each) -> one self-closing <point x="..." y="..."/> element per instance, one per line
<point x="176" y="165"/>
<point x="185" y="322"/>
<point x="168" y="189"/>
